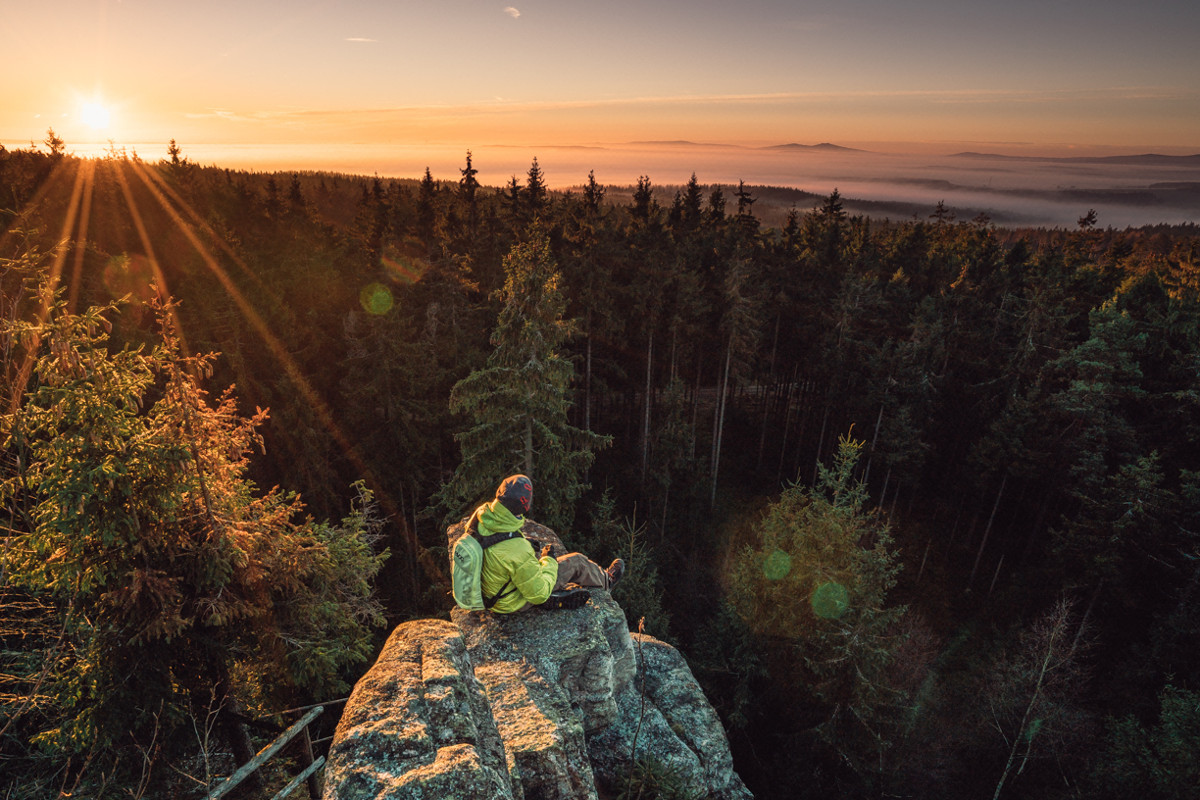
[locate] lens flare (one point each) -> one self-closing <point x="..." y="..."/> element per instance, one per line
<point x="777" y="565"/>
<point x="830" y="600"/>
<point x="129" y="275"/>
<point x="376" y="299"/>
<point x="402" y="269"/>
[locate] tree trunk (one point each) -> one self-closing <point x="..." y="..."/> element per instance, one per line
<point x="662" y="529"/>
<point x="996" y="575"/>
<point x="695" y="409"/>
<point x="762" y="433"/>
<point x="988" y="529"/>
<point x="1058" y="629"/>
<point x="924" y="558"/>
<point x="234" y="732"/>
<point x="529" y="447"/>
<point x="762" y="436"/>
<point x="720" y="428"/>
<point x="787" y="426"/>
<point x="587" y="377"/>
<point x="1035" y="528"/>
<point x="413" y="555"/>
<point x="1087" y="615"/>
<point x="674" y="339"/>
<point x="805" y="413"/>
<point x="874" y="440"/>
<point x="821" y="441"/>
<point x="646" y="417"/>
<point x="954" y="527"/>
<point x="887" y="479"/>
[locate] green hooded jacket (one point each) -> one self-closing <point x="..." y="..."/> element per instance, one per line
<point x="514" y="560"/>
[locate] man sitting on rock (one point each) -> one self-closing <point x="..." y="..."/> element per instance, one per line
<point x="512" y="572"/>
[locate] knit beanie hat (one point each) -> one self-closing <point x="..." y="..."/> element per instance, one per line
<point x="516" y="494"/>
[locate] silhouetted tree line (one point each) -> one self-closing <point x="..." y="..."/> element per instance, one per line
<point x="918" y="498"/>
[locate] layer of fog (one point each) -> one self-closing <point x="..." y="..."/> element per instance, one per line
<point x="1009" y="191"/>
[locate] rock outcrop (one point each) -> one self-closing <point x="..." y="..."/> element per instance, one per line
<point x="532" y="706"/>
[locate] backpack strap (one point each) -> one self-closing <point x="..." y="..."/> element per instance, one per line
<point x="488" y="602"/>
<point x="496" y="538"/>
<point x="485" y="542"/>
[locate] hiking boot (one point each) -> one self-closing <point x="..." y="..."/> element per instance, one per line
<point x="615" y="571"/>
<point x="567" y="598"/>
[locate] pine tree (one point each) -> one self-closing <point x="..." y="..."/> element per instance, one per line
<point x="740" y="333"/>
<point x="716" y="208"/>
<point x="593" y="195"/>
<point x="173" y="580"/>
<point x="519" y="402"/>
<point x="427" y="208"/>
<point x="690" y="205"/>
<point x="589" y="273"/>
<point x="177" y="159"/>
<point x="468" y="186"/>
<point x="819" y="578"/>
<point x="54" y="144"/>
<point x="1152" y="762"/>
<point x="747" y="223"/>
<point x="644" y="206"/>
<point x="536" y="195"/>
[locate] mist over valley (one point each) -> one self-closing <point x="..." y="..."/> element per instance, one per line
<point x="1125" y="190"/>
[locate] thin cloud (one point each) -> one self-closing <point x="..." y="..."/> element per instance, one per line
<point x="512" y="12"/>
<point x="501" y="106"/>
<point x="359" y="39"/>
<point x="229" y="116"/>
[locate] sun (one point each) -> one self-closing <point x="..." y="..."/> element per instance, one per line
<point x="95" y="116"/>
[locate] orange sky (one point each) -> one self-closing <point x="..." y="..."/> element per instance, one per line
<point x="923" y="75"/>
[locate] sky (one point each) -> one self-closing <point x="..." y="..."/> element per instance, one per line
<point x="1018" y="76"/>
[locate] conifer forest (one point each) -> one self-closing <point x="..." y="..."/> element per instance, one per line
<point x="917" y="498"/>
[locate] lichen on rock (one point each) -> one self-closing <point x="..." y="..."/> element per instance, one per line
<point x="419" y="712"/>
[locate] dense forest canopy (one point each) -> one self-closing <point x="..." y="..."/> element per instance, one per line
<point x="918" y="498"/>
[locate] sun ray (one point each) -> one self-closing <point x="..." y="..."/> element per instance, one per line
<point x="53" y="181"/>
<point x="160" y="280"/>
<point x="163" y="191"/>
<point x="82" y="175"/>
<point x="160" y="190"/>
<point x="81" y="236"/>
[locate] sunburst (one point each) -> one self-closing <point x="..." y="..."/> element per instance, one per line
<point x="95" y="115"/>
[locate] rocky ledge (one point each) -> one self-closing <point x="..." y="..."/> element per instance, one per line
<point x="539" y="705"/>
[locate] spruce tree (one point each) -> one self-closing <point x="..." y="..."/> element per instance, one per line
<point x="54" y="144"/>
<point x="518" y="402"/>
<point x="691" y="203"/>
<point x="468" y="186"/>
<point x="176" y="585"/>
<point x="643" y="207"/>
<point x="536" y="194"/>
<point x="426" y="208"/>
<point x="818" y="579"/>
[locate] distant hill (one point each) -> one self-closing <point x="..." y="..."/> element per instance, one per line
<point x="823" y="146"/>
<point x="1144" y="160"/>
<point x="683" y="143"/>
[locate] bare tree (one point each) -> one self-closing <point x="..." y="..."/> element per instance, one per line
<point x="1029" y="694"/>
